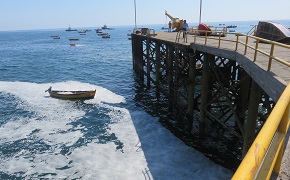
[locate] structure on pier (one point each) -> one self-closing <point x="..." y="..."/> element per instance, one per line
<point x="273" y="31"/>
<point x="176" y="22"/>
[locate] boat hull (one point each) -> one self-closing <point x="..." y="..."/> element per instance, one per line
<point x="72" y="94"/>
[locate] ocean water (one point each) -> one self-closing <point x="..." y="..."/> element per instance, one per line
<point x="109" y="137"/>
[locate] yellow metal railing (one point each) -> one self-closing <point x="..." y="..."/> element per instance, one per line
<point x="215" y="30"/>
<point x="253" y="30"/>
<point x="265" y="154"/>
<point x="246" y="43"/>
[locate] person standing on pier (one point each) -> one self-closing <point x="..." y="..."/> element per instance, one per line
<point x="184" y="27"/>
<point x="169" y="26"/>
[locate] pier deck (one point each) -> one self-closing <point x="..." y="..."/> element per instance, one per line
<point x="273" y="82"/>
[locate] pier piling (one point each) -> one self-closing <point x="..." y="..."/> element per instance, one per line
<point x="213" y="96"/>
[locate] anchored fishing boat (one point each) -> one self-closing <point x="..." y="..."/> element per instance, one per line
<point x="74" y="39"/>
<point x="71" y="94"/>
<point x="106" y="36"/>
<point x="70" y="29"/>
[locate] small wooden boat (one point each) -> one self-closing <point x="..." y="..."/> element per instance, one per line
<point x="82" y="31"/>
<point x="106" y="36"/>
<point x="55" y="37"/>
<point x="101" y="34"/>
<point x="98" y="30"/>
<point x="74" y="39"/>
<point x="71" y="94"/>
<point x="232" y="26"/>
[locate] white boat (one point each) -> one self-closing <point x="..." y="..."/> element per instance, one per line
<point x="98" y="30"/>
<point x="106" y="27"/>
<point x="82" y="31"/>
<point x="55" y="37"/>
<point x="106" y="36"/>
<point x="70" y="29"/>
<point x="102" y="34"/>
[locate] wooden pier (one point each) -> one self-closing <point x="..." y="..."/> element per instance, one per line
<point x="221" y="88"/>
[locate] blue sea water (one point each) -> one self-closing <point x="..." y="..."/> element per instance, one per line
<point x="108" y="137"/>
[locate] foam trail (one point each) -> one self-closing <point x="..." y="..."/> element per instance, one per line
<point x="51" y="124"/>
<point x="59" y="141"/>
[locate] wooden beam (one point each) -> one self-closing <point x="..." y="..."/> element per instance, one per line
<point x="170" y="75"/>
<point x="204" y="89"/>
<point x="148" y="62"/>
<point x="250" y="124"/>
<point x="157" y="69"/>
<point x="190" y="109"/>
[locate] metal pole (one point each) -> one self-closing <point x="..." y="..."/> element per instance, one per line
<point x="135" y="14"/>
<point x="200" y="11"/>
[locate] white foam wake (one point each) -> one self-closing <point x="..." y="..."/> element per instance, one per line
<point x="149" y="151"/>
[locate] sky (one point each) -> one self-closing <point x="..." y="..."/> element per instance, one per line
<point x="50" y="14"/>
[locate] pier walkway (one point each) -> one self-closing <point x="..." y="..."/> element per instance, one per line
<point x="266" y="62"/>
<point x="272" y="81"/>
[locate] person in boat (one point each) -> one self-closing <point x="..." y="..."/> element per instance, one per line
<point x="49" y="89"/>
<point x="184" y="27"/>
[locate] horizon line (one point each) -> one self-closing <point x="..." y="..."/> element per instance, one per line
<point x="138" y="25"/>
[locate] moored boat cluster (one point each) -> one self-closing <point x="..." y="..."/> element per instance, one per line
<point x="83" y="32"/>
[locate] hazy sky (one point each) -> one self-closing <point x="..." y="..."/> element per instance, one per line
<point x="49" y="14"/>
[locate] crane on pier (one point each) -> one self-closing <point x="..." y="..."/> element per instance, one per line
<point x="176" y="23"/>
